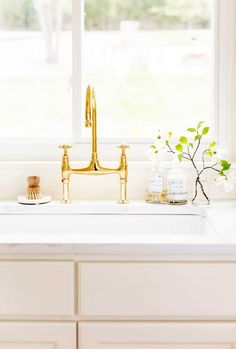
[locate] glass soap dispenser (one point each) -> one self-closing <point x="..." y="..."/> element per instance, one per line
<point x="156" y="184"/>
<point x="177" y="185"/>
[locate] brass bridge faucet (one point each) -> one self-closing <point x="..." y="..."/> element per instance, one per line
<point x="94" y="167"/>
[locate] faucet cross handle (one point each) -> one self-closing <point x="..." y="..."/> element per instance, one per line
<point x="65" y="147"/>
<point x="123" y="147"/>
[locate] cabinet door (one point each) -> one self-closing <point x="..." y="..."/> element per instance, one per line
<point x="37" y="336"/>
<point x="36" y="288"/>
<point x="157" y="336"/>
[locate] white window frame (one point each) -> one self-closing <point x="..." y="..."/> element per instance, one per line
<point x="46" y="149"/>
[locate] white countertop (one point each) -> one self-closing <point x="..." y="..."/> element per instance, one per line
<point x="96" y="207"/>
<point x="99" y="227"/>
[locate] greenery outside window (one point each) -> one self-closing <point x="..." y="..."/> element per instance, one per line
<point x="155" y="64"/>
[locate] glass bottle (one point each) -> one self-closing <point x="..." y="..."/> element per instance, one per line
<point x="177" y="185"/>
<point x="156" y="183"/>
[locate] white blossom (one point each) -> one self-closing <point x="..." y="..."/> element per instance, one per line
<point x="227" y="182"/>
<point x="157" y="151"/>
<point x="220" y="154"/>
<point x="150" y="153"/>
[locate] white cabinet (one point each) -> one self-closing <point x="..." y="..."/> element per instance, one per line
<point x="36" y="288"/>
<point x="163" y="290"/>
<point x="157" y="336"/>
<point x="117" y="305"/>
<point x="37" y="336"/>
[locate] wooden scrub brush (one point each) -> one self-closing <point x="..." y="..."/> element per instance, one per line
<point x="33" y="190"/>
<point x="33" y="195"/>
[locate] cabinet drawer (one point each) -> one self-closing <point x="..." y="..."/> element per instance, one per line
<point x="36" y="288"/>
<point x="200" y="290"/>
<point x="37" y="335"/>
<point x="157" y="335"/>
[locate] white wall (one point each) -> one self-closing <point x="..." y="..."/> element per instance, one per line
<point x="13" y="182"/>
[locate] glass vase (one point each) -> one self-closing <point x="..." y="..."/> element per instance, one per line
<point x="201" y="195"/>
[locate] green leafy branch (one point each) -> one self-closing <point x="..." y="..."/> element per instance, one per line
<point x="190" y="145"/>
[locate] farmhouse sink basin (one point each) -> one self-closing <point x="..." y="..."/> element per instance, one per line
<point x="103" y="223"/>
<point x="110" y="225"/>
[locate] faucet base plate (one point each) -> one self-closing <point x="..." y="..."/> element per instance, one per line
<point x="123" y="202"/>
<point x="66" y="201"/>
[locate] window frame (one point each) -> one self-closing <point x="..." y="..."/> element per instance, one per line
<point x="46" y="149"/>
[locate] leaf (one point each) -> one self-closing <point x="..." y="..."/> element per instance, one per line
<point x="156" y="152"/>
<point x="191" y="129"/>
<point x="190" y="145"/>
<point x="170" y="134"/>
<point x="179" y="148"/>
<point x="221" y="173"/>
<point x="225" y="165"/>
<point x="167" y="142"/>
<point x="183" y="140"/>
<point x="153" y="146"/>
<point x="180" y="157"/>
<point x="199" y="125"/>
<point x="209" y="152"/>
<point x="205" y="130"/>
<point x="212" y="144"/>
<point x="197" y="137"/>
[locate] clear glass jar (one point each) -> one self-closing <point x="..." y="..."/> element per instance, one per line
<point x="177" y="185"/>
<point x="156" y="183"/>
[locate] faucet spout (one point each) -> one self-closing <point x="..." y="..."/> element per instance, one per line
<point x="91" y="119"/>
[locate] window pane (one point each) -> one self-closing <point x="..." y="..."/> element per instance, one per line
<point x="151" y="63"/>
<point x="35" y="68"/>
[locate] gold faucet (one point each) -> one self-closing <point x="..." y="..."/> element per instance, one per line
<point x="94" y="167"/>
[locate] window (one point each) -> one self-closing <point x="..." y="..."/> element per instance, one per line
<point x="35" y="73"/>
<point x="152" y="62"/>
<point x="155" y="64"/>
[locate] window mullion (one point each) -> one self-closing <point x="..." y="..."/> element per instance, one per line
<point x="77" y="67"/>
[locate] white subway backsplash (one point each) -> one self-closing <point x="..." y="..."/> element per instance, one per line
<point x="13" y="176"/>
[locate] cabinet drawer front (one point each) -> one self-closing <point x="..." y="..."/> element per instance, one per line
<point x="36" y="288"/>
<point x="157" y="289"/>
<point x="37" y="336"/>
<point x="157" y="336"/>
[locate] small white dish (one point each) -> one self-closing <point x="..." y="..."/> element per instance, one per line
<point x="22" y="199"/>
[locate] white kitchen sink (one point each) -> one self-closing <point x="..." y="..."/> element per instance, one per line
<point x="89" y="222"/>
<point x="106" y="224"/>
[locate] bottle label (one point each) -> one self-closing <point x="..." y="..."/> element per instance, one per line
<point x="156" y="185"/>
<point x="176" y="186"/>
